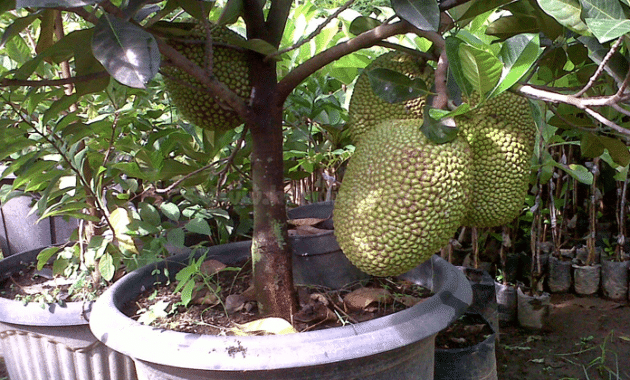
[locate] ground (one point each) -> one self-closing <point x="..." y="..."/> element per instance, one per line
<point x="588" y="338"/>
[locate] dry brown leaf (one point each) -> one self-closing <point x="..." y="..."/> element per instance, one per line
<point x="205" y="296"/>
<point x="408" y="300"/>
<point x="234" y="303"/>
<point x="363" y="297"/>
<point x="305" y="221"/>
<point x="211" y="267"/>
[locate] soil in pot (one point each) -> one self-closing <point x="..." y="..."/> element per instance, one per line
<point x="615" y="279"/>
<point x="232" y="303"/>
<point x="484" y="295"/>
<point x="466" y="350"/>
<point x="559" y="280"/>
<point x="586" y="279"/>
<point x="533" y="310"/>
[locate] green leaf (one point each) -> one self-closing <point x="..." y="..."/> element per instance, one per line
<point x="199" y="226"/>
<point x="606" y="30"/>
<point x="171" y="211"/>
<point x="438" y="131"/>
<point x="106" y="267"/>
<point x="195" y="9"/>
<point x="187" y="292"/>
<point x="617" y="150"/>
<point x="480" y="68"/>
<point x="44" y="256"/>
<point x="58" y="107"/>
<point x="231" y="12"/>
<point x="509" y="26"/>
<point x="566" y="12"/>
<point x="363" y="24"/>
<point x="474" y="8"/>
<point x="16" y="27"/>
<point x="53" y="3"/>
<point x="617" y="66"/>
<point x="602" y="9"/>
<point x="150" y="214"/>
<point x="156" y="311"/>
<point x="394" y="87"/>
<point x="455" y="65"/>
<point x="257" y="45"/>
<point x="591" y="146"/>
<point x="579" y="172"/>
<point x="128" y="52"/>
<point x="423" y="14"/>
<point x="177" y="237"/>
<point x="518" y="55"/>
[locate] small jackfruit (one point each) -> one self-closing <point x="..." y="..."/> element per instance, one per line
<point x="366" y="109"/>
<point x="501" y="133"/>
<point x="229" y="65"/>
<point x="402" y="198"/>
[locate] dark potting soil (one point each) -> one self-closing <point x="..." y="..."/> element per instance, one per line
<point x="232" y="302"/>
<point x="467" y="331"/>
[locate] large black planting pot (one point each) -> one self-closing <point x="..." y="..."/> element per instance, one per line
<point x="54" y="342"/>
<point x="399" y="346"/>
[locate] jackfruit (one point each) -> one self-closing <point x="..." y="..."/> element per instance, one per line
<point x="402" y="198"/>
<point x="229" y="66"/>
<point x="501" y="133"/>
<point x="366" y="109"/>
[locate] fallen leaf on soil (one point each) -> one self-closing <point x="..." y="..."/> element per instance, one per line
<point x="363" y="297"/>
<point x="205" y="296"/>
<point x="305" y="221"/>
<point x="265" y="326"/>
<point x="408" y="300"/>
<point x="211" y="267"/>
<point x="234" y="303"/>
<point x="623" y="337"/>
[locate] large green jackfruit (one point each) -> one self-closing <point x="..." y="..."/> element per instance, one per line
<point x="367" y="110"/>
<point x="229" y="65"/>
<point x="402" y="198"/>
<point x="501" y="134"/>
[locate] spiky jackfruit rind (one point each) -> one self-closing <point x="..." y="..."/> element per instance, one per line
<point x="501" y="134"/>
<point x="229" y="65"/>
<point x="367" y="110"/>
<point x="402" y="198"/>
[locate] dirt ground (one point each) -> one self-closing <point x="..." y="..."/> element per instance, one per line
<point x="588" y="338"/>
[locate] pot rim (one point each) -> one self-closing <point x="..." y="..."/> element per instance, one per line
<point x="32" y="313"/>
<point x="452" y="296"/>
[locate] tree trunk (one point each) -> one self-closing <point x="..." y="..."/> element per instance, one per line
<point x="271" y="253"/>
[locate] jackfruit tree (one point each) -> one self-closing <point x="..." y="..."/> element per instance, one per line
<point x="132" y="41"/>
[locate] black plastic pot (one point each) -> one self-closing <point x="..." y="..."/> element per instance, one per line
<point x="399" y="346"/>
<point x="317" y="259"/>
<point x="586" y="279"/>
<point x="55" y="342"/>
<point x="559" y="279"/>
<point x="533" y="310"/>
<point x="615" y="279"/>
<point x="506" y="302"/>
<point x="484" y="296"/>
<point x="477" y="362"/>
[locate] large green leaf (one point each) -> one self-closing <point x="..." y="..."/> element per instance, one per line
<point x="474" y="8"/>
<point x="617" y="65"/>
<point x="566" y="12"/>
<point x="480" y="68"/>
<point x="508" y="26"/>
<point x="199" y="226"/>
<point x="128" y="52"/>
<point x="606" y="30"/>
<point x="518" y="55"/>
<point x="16" y="27"/>
<point x="394" y="87"/>
<point x="455" y="65"/>
<point x="231" y="12"/>
<point x="602" y="9"/>
<point x="423" y="14"/>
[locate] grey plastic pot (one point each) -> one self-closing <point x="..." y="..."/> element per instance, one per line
<point x="53" y="343"/>
<point x="399" y="346"/>
<point x="477" y="362"/>
<point x="317" y="259"/>
<point x="506" y="302"/>
<point x="484" y="296"/>
<point x="615" y="279"/>
<point x="533" y="310"/>
<point x="586" y="279"/>
<point x="559" y="280"/>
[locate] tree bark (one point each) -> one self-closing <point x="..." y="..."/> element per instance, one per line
<point x="271" y="253"/>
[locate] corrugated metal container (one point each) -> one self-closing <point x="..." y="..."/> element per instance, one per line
<point x="54" y="342"/>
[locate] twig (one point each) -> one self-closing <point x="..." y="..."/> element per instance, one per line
<point x="601" y="67"/>
<point x="314" y="33"/>
<point x="52" y="82"/>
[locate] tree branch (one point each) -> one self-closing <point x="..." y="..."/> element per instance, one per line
<point x="601" y="67"/>
<point x="364" y="40"/>
<point x="277" y="20"/>
<point x="52" y="82"/>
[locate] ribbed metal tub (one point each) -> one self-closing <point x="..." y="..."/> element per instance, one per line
<point x="54" y="343"/>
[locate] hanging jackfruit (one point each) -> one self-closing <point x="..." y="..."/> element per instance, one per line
<point x="229" y="65"/>
<point x="366" y="109"/>
<point x="402" y="198"/>
<point x="501" y="133"/>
